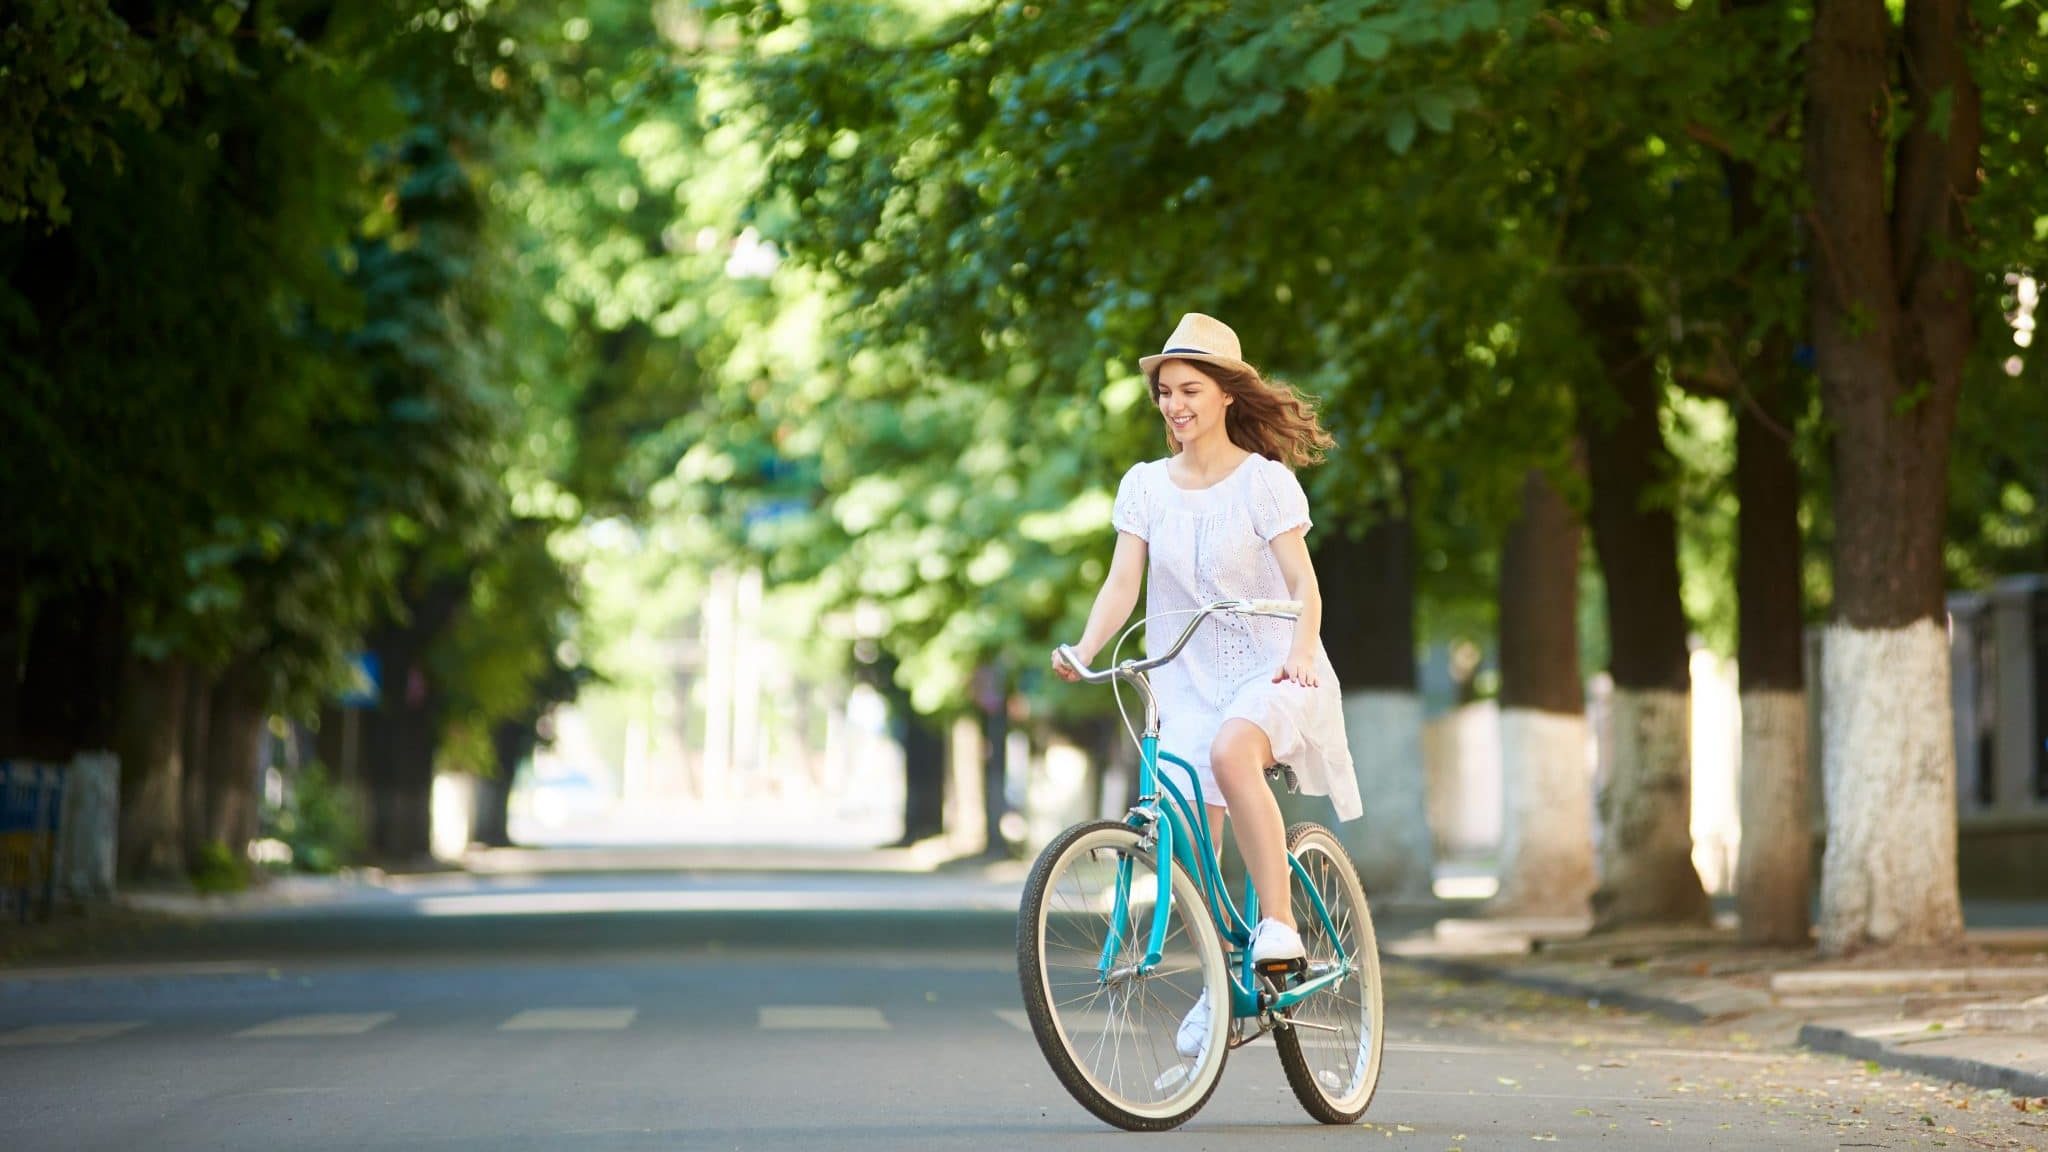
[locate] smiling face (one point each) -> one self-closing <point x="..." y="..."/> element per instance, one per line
<point x="1191" y="401"/>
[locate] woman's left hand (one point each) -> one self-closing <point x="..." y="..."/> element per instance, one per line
<point x="1301" y="670"/>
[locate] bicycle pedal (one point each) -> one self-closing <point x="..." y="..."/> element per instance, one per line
<point x="1282" y="972"/>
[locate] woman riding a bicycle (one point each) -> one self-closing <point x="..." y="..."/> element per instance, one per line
<point x="1138" y="971"/>
<point x="1222" y="517"/>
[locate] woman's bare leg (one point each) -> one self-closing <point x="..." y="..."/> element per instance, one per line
<point x="1239" y="758"/>
<point x="1218" y="814"/>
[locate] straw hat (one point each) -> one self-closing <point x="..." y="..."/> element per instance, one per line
<point x="1200" y="338"/>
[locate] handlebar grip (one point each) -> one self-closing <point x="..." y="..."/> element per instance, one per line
<point x="1277" y="607"/>
<point x="1073" y="659"/>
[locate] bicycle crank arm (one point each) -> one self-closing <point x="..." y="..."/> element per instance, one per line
<point x="1293" y="1023"/>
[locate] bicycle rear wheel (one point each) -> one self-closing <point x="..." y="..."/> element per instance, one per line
<point x="1332" y="1052"/>
<point x="1111" y="1036"/>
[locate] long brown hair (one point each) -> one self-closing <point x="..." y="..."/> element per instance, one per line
<point x="1268" y="417"/>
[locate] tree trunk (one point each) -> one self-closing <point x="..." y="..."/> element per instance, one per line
<point x="403" y="734"/>
<point x="924" y="774"/>
<point x="399" y="742"/>
<point x="1891" y="318"/>
<point x="193" y="742"/>
<point x="151" y="748"/>
<point x="1368" y="584"/>
<point x="234" y="759"/>
<point x="1546" y="775"/>
<point x="993" y="696"/>
<point x="925" y="758"/>
<point x="512" y="741"/>
<point x="1774" y="871"/>
<point x="1646" y="870"/>
<point x="71" y="680"/>
<point x="12" y="589"/>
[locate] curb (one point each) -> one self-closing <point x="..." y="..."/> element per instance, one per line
<point x="1976" y="1073"/>
<point x="1815" y="1037"/>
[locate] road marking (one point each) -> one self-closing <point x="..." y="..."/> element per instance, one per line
<point x="1457" y="1049"/>
<point x="323" y="1024"/>
<point x="571" y="1020"/>
<point x="822" y="1016"/>
<point x="1015" y="1018"/>
<point x="66" y="1033"/>
<point x="1646" y="1101"/>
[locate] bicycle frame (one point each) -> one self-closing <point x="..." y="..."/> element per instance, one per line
<point x="1173" y="820"/>
<point x="1180" y="829"/>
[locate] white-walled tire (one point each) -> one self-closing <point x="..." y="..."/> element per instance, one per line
<point x="1112" y="1041"/>
<point x="1334" y="1074"/>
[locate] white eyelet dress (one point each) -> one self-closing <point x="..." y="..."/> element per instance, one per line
<point x="1214" y="544"/>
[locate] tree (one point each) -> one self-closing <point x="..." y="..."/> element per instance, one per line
<point x="1893" y="168"/>
<point x="914" y="162"/>
<point x="1547" y="812"/>
<point x="229" y="473"/>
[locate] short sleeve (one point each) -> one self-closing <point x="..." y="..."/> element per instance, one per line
<point x="1278" y="503"/>
<point x="1132" y="511"/>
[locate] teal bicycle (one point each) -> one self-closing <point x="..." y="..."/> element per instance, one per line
<point x="1126" y="926"/>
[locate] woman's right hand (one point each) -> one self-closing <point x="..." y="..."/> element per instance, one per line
<point x="1062" y="669"/>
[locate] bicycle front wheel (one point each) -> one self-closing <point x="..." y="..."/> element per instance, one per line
<point x="1332" y="1051"/>
<point x="1111" y="1029"/>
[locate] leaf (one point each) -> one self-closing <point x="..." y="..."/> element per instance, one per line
<point x="1370" y="44"/>
<point x="1243" y="60"/>
<point x="1436" y="110"/>
<point x="1199" y="88"/>
<point x="1401" y="131"/>
<point x="1160" y="65"/>
<point x="1326" y="65"/>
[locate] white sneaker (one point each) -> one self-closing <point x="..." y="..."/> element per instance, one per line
<point x="1193" y="1038"/>
<point x="1272" y="940"/>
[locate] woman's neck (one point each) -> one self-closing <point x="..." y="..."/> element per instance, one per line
<point x="1211" y="455"/>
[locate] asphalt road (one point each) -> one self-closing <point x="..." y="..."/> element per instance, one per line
<point x="813" y="1013"/>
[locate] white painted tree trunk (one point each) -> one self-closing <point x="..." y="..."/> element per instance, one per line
<point x="1546" y="850"/>
<point x="1646" y="869"/>
<point x="1390" y="842"/>
<point x="1774" y="870"/>
<point x="1888" y="760"/>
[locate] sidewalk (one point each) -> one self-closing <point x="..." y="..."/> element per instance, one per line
<point x="1976" y="1014"/>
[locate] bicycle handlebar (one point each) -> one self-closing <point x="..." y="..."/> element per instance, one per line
<point x="1284" y="609"/>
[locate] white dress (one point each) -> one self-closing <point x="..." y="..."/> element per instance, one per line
<point x="1213" y="544"/>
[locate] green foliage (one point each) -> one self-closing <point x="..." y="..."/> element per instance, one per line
<point x="77" y="77"/>
<point x="220" y="868"/>
<point x="304" y="303"/>
<point x="263" y="358"/>
<point x="317" y="822"/>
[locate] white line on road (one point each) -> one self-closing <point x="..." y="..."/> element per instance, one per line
<point x="1647" y="1101"/>
<point x="571" y="1020"/>
<point x="323" y="1024"/>
<point x="822" y="1016"/>
<point x="1454" y="1049"/>
<point x="1015" y="1018"/>
<point x="66" y="1033"/>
